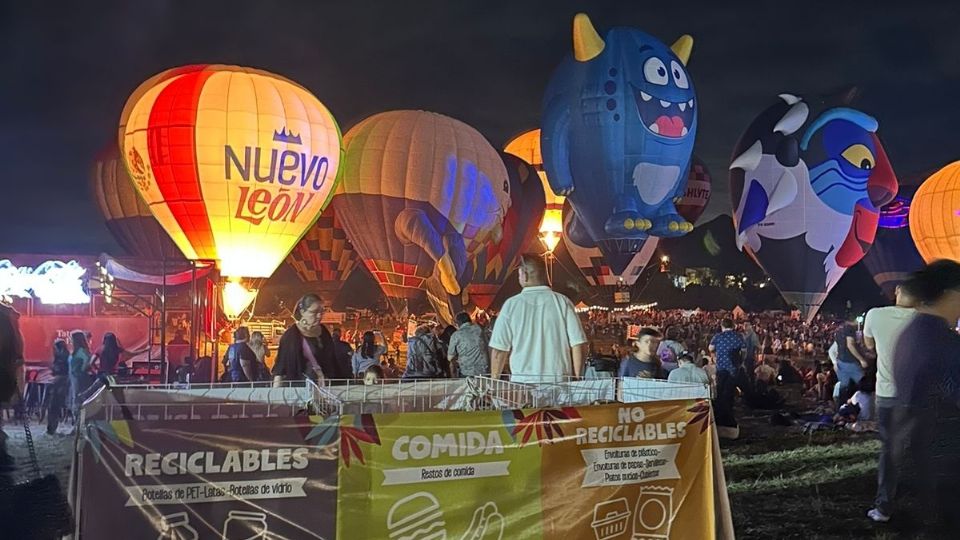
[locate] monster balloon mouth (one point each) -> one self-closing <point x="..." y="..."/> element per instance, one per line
<point x="662" y="117"/>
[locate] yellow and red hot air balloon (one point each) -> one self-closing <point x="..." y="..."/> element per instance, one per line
<point x="934" y="215"/>
<point x="235" y="163"/>
<point x="526" y="146"/>
<point x="129" y="219"/>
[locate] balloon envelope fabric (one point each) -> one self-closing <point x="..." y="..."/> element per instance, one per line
<point x="324" y="257"/>
<point x="235" y="163"/>
<point x="421" y="192"/>
<point x="807" y="181"/>
<point x="619" y="122"/>
<point x="126" y="215"/>
<point x="934" y="221"/>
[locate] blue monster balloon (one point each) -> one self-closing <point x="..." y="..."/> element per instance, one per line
<point x="619" y="120"/>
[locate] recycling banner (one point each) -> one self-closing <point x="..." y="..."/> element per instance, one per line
<point x="631" y="472"/>
<point x="605" y="472"/>
<point x="208" y="479"/>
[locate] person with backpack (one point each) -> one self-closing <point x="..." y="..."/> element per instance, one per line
<point x="669" y="351"/>
<point x="423" y="356"/>
<point x="242" y="363"/>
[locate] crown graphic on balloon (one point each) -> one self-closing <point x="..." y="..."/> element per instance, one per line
<point x="286" y="136"/>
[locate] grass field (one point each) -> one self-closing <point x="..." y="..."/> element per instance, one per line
<point x="786" y="484"/>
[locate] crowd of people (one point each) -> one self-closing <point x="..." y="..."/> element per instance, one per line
<point x="890" y="376"/>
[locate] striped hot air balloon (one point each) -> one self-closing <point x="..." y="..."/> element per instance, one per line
<point x="697" y="195"/>
<point x="235" y="163"/>
<point x="607" y="273"/>
<point x="126" y="215"/>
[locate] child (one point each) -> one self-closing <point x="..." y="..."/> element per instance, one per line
<point x="372" y="375"/>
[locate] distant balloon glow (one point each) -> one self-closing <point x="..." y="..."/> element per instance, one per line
<point x="526" y="146"/>
<point x="934" y="221"/>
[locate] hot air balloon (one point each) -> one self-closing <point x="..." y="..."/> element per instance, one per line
<point x="492" y="265"/>
<point x="235" y="163"/>
<point x="127" y="216"/>
<point x="697" y="195"/>
<point x="619" y="121"/>
<point x="526" y="146"/>
<point x="324" y="257"/>
<point x="420" y="193"/>
<point x="934" y="218"/>
<point x="607" y="273"/>
<point x="807" y="182"/>
<point x="893" y="255"/>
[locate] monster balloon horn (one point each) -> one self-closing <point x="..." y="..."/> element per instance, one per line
<point x="807" y="181"/>
<point x="619" y="121"/>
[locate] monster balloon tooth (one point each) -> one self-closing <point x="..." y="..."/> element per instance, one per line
<point x="807" y="181"/>
<point x="619" y="122"/>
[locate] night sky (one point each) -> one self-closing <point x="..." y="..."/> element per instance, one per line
<point x="68" y="68"/>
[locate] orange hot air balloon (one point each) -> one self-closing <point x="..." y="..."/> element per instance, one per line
<point x="526" y="146"/>
<point x="127" y="216"/>
<point x="935" y="215"/>
<point x="324" y="257"/>
<point x="235" y="163"/>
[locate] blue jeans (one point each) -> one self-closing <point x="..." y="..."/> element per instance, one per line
<point x="847" y="373"/>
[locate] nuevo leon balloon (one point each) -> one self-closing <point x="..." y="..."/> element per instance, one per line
<point x="235" y="163"/>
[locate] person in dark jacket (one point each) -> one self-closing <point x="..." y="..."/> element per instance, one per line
<point x="56" y="396"/>
<point x="306" y="348"/>
<point x="343" y="352"/>
<point x="926" y="370"/>
<point x="423" y="356"/>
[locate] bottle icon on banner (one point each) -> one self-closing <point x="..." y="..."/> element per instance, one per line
<point x="241" y="525"/>
<point x="654" y="513"/>
<point x="177" y="527"/>
<point x="417" y="517"/>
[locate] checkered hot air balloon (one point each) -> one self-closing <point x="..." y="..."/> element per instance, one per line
<point x="324" y="258"/>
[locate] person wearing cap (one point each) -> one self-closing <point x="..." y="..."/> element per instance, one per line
<point x="644" y="361"/>
<point x="688" y="371"/>
<point x="926" y="373"/>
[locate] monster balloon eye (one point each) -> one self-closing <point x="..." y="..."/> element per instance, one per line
<point x="679" y="76"/>
<point x="655" y="71"/>
<point x="859" y="156"/>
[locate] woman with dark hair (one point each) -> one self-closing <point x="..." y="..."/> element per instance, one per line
<point x="306" y="348"/>
<point x="56" y="396"/>
<point x="80" y="361"/>
<point x="109" y="354"/>
<point x="368" y="353"/>
<point x="926" y="371"/>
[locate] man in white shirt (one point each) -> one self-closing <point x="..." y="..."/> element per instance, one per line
<point x="538" y="331"/>
<point x="881" y="331"/>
